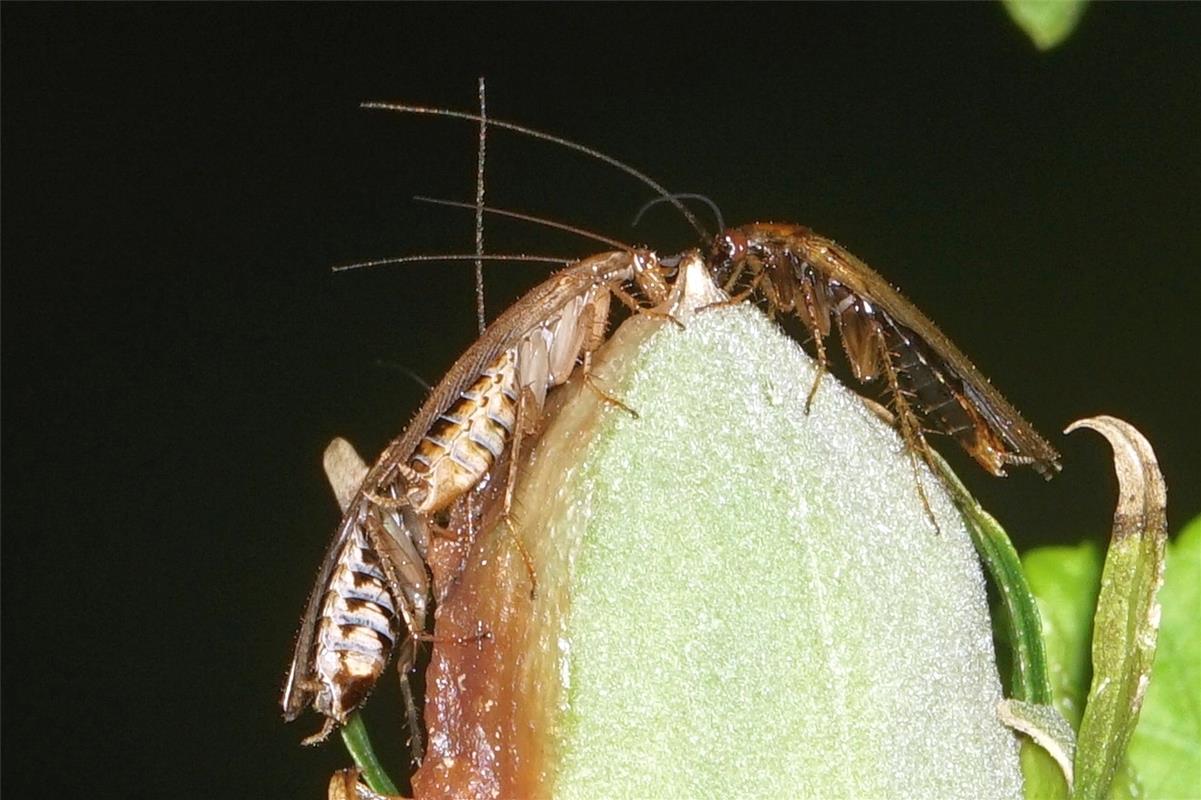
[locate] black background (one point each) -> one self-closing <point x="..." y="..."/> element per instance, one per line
<point x="177" y="182"/>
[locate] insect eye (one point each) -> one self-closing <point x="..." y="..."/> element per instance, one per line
<point x="729" y="248"/>
<point x="736" y="244"/>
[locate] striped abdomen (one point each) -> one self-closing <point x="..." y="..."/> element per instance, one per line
<point x="356" y="631"/>
<point x="467" y="439"/>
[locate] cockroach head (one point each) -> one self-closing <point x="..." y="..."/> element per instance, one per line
<point x="668" y="266"/>
<point x="727" y="256"/>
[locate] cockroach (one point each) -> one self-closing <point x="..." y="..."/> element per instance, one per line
<point x="372" y="588"/>
<point x="798" y="271"/>
<point x="795" y="270"/>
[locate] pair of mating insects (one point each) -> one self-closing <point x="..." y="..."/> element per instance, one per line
<point x="373" y="589"/>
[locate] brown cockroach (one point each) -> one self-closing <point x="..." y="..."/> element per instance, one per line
<point x="798" y="271"/>
<point x="372" y="588"/>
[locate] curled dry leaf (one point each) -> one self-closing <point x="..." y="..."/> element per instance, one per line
<point x="1126" y="625"/>
<point x="1142" y="495"/>
<point x="1046" y="727"/>
<point x="345" y="784"/>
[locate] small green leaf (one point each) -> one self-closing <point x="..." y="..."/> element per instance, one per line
<point x="1023" y="628"/>
<point x="1047" y="22"/>
<point x="1065" y="580"/>
<point x="1047" y="751"/>
<point x="1128" y="613"/>
<point x="1165" y="752"/>
<point x="1042" y="776"/>
<point x="1166" y="747"/>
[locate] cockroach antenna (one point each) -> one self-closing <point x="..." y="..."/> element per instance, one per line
<point x="491" y="122"/>
<point x="501" y="212"/>
<point x="383" y="262"/>
<point x="481" y="152"/>
<point x="649" y="204"/>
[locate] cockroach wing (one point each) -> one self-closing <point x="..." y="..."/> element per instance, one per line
<point x="1028" y="446"/>
<point x="566" y="339"/>
<point x="533" y="364"/>
<point x="345" y="471"/>
<point x="859" y="338"/>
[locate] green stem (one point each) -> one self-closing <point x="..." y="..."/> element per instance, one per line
<point x="354" y="734"/>
<point x="1031" y="677"/>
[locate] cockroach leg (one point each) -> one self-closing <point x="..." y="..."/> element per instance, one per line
<point x="631" y="303"/>
<point x="822" y="360"/>
<point x="479" y="636"/>
<point x="911" y="431"/>
<point x="387" y="503"/>
<point x="605" y="397"/>
<point x="627" y="299"/>
<point x="880" y="412"/>
<point x="654" y="313"/>
<point x="443" y="532"/>
<point x="376" y="537"/>
<point x="323" y="734"/>
<point x="735" y="299"/>
<point x="524" y="552"/>
<point x="405" y="661"/>
<point x="735" y="274"/>
<point x="521" y="427"/>
<point x="410" y="476"/>
<point x="594" y="324"/>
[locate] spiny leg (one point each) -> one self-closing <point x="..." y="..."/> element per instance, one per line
<point x="405" y="663"/>
<point x="524" y="400"/>
<point x="740" y="266"/>
<point x="822" y="360"/>
<point x="631" y="303"/>
<point x="594" y="322"/>
<point x="398" y="503"/>
<point x="414" y="618"/>
<point x="326" y="729"/>
<point x="605" y="397"/>
<point x="591" y="383"/>
<point x="443" y="532"/>
<point x="911" y="431"/>
<point x="526" y="558"/>
<point x="735" y="299"/>
<point x="409" y="476"/>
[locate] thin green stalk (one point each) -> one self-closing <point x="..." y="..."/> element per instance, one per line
<point x="354" y="735"/>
